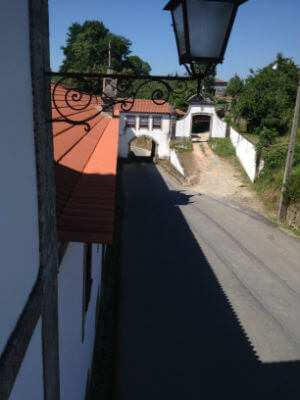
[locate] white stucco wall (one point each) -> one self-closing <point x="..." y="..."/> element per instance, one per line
<point x="219" y="128"/>
<point x="75" y="356"/>
<point x="174" y="160"/>
<point x="18" y="199"/>
<point x="184" y="125"/>
<point x="160" y="136"/>
<point x="245" y="152"/>
<point x="29" y="382"/>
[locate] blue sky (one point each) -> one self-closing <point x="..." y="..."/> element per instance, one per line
<point x="262" y="29"/>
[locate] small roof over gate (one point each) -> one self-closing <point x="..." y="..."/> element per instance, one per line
<point x="144" y="106"/>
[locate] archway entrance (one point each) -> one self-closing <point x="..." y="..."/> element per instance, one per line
<point x="142" y="148"/>
<point x="201" y="124"/>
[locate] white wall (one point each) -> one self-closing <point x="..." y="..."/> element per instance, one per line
<point x="219" y="128"/>
<point x="75" y="356"/>
<point x="18" y="199"/>
<point x="29" y="382"/>
<point x="184" y="125"/>
<point x="245" y="152"/>
<point x="174" y="160"/>
<point x="160" y="136"/>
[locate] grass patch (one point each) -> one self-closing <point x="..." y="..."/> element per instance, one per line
<point x="222" y="147"/>
<point x="294" y="231"/>
<point x="270" y="181"/>
<point x="182" y="145"/>
<point x="268" y="185"/>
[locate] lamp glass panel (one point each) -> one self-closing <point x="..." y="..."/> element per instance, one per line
<point x="208" y="24"/>
<point x="179" y="26"/>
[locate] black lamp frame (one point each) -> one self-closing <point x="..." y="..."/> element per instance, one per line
<point x="187" y="57"/>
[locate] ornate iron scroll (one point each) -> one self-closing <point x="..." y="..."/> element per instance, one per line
<point x="77" y="99"/>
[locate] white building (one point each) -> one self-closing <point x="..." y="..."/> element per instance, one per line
<point x="205" y="110"/>
<point x="150" y="120"/>
<point x="205" y="113"/>
<point x="220" y="87"/>
<point x="56" y="224"/>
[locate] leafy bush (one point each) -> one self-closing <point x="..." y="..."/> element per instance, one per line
<point x="293" y="187"/>
<point x="222" y="147"/>
<point x="268" y="97"/>
<point x="276" y="124"/>
<point x="266" y="138"/>
<point x="297" y="156"/>
<point x="274" y="156"/>
<point x="270" y="180"/>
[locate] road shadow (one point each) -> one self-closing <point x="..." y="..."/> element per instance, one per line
<point x="178" y="336"/>
<point x="133" y="158"/>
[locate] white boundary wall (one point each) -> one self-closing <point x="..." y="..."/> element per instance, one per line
<point x="246" y="153"/>
<point x="219" y="128"/>
<point x="174" y="160"/>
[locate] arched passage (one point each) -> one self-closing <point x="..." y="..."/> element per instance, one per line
<point x="201" y="124"/>
<point x="207" y="111"/>
<point x="142" y="147"/>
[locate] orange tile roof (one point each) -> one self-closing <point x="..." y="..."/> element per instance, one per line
<point x="146" y="106"/>
<point x="85" y="169"/>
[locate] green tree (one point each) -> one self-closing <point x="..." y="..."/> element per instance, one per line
<point x="208" y="84"/>
<point x="180" y="97"/>
<point x="235" y="86"/>
<point x="268" y="97"/>
<point x="134" y="64"/>
<point x="86" y="50"/>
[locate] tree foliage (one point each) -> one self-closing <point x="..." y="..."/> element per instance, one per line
<point x="235" y="87"/>
<point x="208" y="84"/>
<point x="179" y="99"/>
<point x="86" y="50"/>
<point x="268" y="97"/>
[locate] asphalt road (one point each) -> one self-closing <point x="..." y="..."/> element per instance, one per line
<point x="210" y="298"/>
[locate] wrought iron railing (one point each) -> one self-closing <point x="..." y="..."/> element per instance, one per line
<point x="78" y="98"/>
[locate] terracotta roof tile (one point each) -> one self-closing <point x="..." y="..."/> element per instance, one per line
<point x="85" y="170"/>
<point x="146" y="106"/>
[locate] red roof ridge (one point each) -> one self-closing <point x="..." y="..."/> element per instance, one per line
<point x="145" y="106"/>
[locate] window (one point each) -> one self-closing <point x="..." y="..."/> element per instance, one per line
<point x="87" y="283"/>
<point x="144" y="121"/>
<point x="130" y="121"/>
<point x="157" y="122"/>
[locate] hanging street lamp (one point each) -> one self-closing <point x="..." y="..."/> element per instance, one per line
<point x="202" y="28"/>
